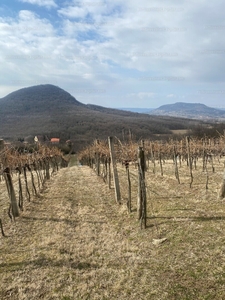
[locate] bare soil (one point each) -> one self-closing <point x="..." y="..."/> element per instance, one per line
<point x="76" y="242"/>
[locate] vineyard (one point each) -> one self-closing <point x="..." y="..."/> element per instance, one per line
<point x="126" y="220"/>
<point x="23" y="175"/>
<point x="183" y="158"/>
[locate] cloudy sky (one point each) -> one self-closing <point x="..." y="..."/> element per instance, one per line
<point x="116" y="53"/>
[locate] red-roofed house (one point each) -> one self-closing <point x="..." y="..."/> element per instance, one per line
<point x="55" y="140"/>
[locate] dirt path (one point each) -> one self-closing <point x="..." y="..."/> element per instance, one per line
<point x="75" y="242"/>
<point x="71" y="243"/>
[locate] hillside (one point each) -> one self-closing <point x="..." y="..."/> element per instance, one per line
<point x="51" y="111"/>
<point x="189" y="110"/>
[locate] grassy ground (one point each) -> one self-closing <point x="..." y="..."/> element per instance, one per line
<point x="75" y="242"/>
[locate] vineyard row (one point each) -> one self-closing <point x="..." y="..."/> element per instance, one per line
<point x="104" y="156"/>
<point x="24" y="174"/>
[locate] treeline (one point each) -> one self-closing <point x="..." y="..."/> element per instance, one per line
<point x="211" y="131"/>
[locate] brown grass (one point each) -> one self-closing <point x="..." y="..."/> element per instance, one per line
<point x="180" y="131"/>
<point x="75" y="242"/>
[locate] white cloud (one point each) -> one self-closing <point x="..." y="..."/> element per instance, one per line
<point x="171" y="96"/>
<point x="46" y="3"/>
<point x="73" y="12"/>
<point x="80" y="9"/>
<point x="142" y="95"/>
<point x="110" y="45"/>
<point x="31" y="52"/>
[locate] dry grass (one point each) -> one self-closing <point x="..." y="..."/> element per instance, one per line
<point x="75" y="242"/>
<point x="180" y="131"/>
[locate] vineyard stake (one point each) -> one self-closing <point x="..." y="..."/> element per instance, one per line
<point x="222" y="188"/>
<point x="189" y="159"/>
<point x="15" y="210"/>
<point x="141" y="203"/>
<point x="115" y="173"/>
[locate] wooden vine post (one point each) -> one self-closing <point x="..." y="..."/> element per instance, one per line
<point x="153" y="157"/>
<point x="141" y="201"/>
<point x="175" y="155"/>
<point x="189" y="159"/>
<point x="129" y="186"/>
<point x="26" y="182"/>
<point x="1" y="148"/>
<point x="109" y="172"/>
<point x="47" y="169"/>
<point x="222" y="188"/>
<point x="1" y="226"/>
<point x="12" y="196"/>
<point x="181" y="152"/>
<point x="20" y="189"/>
<point x="115" y="173"/>
<point x="1" y="144"/>
<point x="160" y="158"/>
<point x="97" y="158"/>
<point x="204" y="157"/>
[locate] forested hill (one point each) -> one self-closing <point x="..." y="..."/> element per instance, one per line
<point x="49" y="110"/>
<point x="189" y="110"/>
<point x="37" y="99"/>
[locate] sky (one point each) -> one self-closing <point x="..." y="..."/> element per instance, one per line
<point x="116" y="53"/>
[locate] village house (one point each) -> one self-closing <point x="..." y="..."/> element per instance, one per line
<point x="55" y="140"/>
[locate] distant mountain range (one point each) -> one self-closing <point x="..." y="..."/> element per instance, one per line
<point x="50" y="111"/>
<point x="181" y="109"/>
<point x="190" y="111"/>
